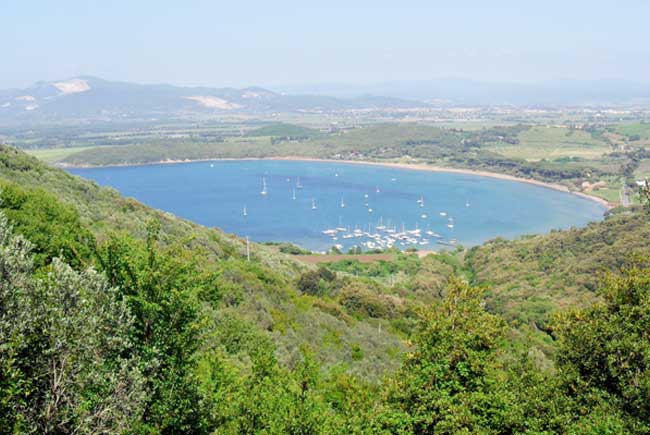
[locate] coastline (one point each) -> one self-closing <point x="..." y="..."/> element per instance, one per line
<point x="431" y="168"/>
<point x="407" y="166"/>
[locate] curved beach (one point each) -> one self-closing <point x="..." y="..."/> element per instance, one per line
<point x="431" y="168"/>
<point x="409" y="166"/>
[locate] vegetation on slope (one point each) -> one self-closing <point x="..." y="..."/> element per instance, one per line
<point x="533" y="276"/>
<point x="261" y="293"/>
<point x="165" y="328"/>
<point x="80" y="356"/>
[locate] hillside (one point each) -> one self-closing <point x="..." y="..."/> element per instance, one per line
<point x="264" y="289"/>
<point x="177" y="332"/>
<point x="530" y="278"/>
<point x="561" y="268"/>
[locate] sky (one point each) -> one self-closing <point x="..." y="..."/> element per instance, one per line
<point x="276" y="42"/>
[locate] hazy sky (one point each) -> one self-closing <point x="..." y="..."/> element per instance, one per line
<point x="238" y="43"/>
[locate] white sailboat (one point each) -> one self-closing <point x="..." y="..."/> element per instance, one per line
<point x="263" y="192"/>
<point x="244" y="212"/>
<point x="294" y="194"/>
<point x="313" y="204"/>
<point x="377" y="189"/>
<point x="467" y="204"/>
<point x="298" y="185"/>
<point x="342" y="203"/>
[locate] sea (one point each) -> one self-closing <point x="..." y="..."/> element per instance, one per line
<point x="319" y="205"/>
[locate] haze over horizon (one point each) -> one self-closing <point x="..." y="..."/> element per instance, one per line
<point x="201" y="43"/>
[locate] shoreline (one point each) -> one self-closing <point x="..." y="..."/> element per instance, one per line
<point x="408" y="166"/>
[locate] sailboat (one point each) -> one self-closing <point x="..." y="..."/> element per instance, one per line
<point x="421" y="201"/>
<point x="467" y="204"/>
<point x="263" y="192"/>
<point x="313" y="204"/>
<point x="342" y="203"/>
<point x="298" y="185"/>
<point x="294" y="194"/>
<point x="244" y="212"/>
<point x="377" y="189"/>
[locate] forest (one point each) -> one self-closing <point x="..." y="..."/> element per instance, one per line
<point x="116" y="318"/>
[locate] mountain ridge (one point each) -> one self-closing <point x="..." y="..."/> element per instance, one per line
<point x="94" y="97"/>
<point x="458" y="91"/>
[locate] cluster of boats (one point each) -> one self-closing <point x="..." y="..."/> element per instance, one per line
<point x="379" y="236"/>
<point x="386" y="236"/>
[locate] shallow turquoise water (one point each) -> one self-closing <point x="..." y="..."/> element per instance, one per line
<point x="215" y="194"/>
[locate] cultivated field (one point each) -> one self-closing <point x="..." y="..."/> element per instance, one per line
<point x="552" y="143"/>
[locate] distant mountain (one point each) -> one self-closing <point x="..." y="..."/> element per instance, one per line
<point x="471" y="92"/>
<point x="91" y="97"/>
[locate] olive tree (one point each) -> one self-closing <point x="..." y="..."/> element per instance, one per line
<point x="66" y="364"/>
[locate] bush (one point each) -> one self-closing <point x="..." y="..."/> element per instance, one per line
<point x="360" y="301"/>
<point x="309" y="283"/>
<point x="53" y="228"/>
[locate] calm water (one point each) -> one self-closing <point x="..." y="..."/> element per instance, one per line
<point x="478" y="208"/>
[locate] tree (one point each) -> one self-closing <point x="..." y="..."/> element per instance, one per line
<point x="161" y="287"/>
<point x="604" y="353"/>
<point x="645" y="195"/>
<point x="276" y="401"/>
<point x="451" y="383"/>
<point x="65" y="364"/>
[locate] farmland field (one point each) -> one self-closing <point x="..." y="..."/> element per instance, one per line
<point x="52" y="155"/>
<point x="552" y="143"/>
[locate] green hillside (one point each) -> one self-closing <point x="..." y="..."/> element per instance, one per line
<point x="263" y="291"/>
<point x="530" y="277"/>
<point x="117" y="318"/>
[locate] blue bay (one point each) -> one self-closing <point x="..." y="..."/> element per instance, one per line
<point x="475" y="208"/>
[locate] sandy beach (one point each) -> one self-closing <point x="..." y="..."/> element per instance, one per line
<point x="408" y="166"/>
<point x="431" y="168"/>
